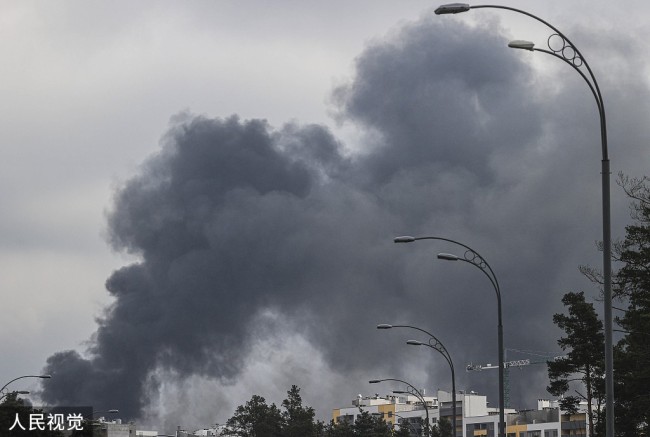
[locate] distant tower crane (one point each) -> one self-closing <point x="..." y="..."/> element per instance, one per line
<point x="516" y="363"/>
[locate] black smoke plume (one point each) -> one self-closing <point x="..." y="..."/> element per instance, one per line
<point x="232" y="217"/>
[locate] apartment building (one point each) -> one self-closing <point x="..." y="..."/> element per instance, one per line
<point x="473" y="416"/>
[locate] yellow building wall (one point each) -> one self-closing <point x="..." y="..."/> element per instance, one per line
<point x="516" y="429"/>
<point x="385" y="409"/>
<point x="580" y="417"/>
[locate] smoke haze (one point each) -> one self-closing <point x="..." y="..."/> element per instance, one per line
<point x="266" y="256"/>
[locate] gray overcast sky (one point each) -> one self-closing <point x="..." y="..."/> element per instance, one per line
<point x="88" y="91"/>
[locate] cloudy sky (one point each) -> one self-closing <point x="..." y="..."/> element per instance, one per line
<point x="199" y="198"/>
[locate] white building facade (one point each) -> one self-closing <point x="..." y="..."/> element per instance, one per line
<point x="473" y="416"/>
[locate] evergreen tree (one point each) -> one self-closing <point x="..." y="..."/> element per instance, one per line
<point x="584" y="345"/>
<point x="298" y="420"/>
<point x="342" y="428"/>
<point x="255" y="419"/>
<point x="632" y="285"/>
<point x="403" y="430"/>
<point x="442" y="428"/>
<point x="367" y="425"/>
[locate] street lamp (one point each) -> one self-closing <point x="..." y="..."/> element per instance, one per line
<point x="411" y="391"/>
<point x="474" y="258"/>
<point x="569" y="53"/>
<point x="575" y="61"/>
<point x="437" y="345"/>
<point x="25" y="376"/>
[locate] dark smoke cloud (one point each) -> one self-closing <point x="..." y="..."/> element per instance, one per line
<point x="233" y="217"/>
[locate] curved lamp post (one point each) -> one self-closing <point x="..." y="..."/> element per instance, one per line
<point x="570" y="54"/>
<point x="25" y="376"/>
<point x="411" y="391"/>
<point x="474" y="258"/>
<point x="437" y="345"/>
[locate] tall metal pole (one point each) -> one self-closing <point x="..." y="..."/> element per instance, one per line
<point x="578" y="61"/>
<point x="453" y="383"/>
<point x="474" y="258"/>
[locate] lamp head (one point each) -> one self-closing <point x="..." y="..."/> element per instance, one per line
<point x="22" y="392"/>
<point x="45" y="376"/>
<point x="374" y="381"/>
<point x="521" y="44"/>
<point x="404" y="239"/>
<point x="113" y="411"/>
<point x="448" y="256"/>
<point x="401" y="392"/>
<point x="452" y="8"/>
<point x="384" y="326"/>
<point x="414" y="343"/>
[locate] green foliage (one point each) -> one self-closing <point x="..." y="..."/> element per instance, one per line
<point x="632" y="286"/>
<point x="11" y="408"/>
<point x="298" y="421"/>
<point x="442" y="428"/>
<point x="584" y="344"/>
<point x="342" y="428"/>
<point x="255" y="419"/>
<point x="402" y="431"/>
<point x="367" y="425"/>
<point x="258" y="419"/>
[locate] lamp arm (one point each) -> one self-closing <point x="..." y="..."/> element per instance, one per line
<point x="16" y="379"/>
<point x="492" y="276"/>
<point x="565" y="38"/>
<point x="576" y="68"/>
<point x="443" y="352"/>
<point x="493" y="280"/>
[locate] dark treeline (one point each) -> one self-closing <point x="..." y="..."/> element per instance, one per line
<point x="258" y="419"/>
<point x="583" y="341"/>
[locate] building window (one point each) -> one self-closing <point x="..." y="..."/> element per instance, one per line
<point x="346" y="418"/>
